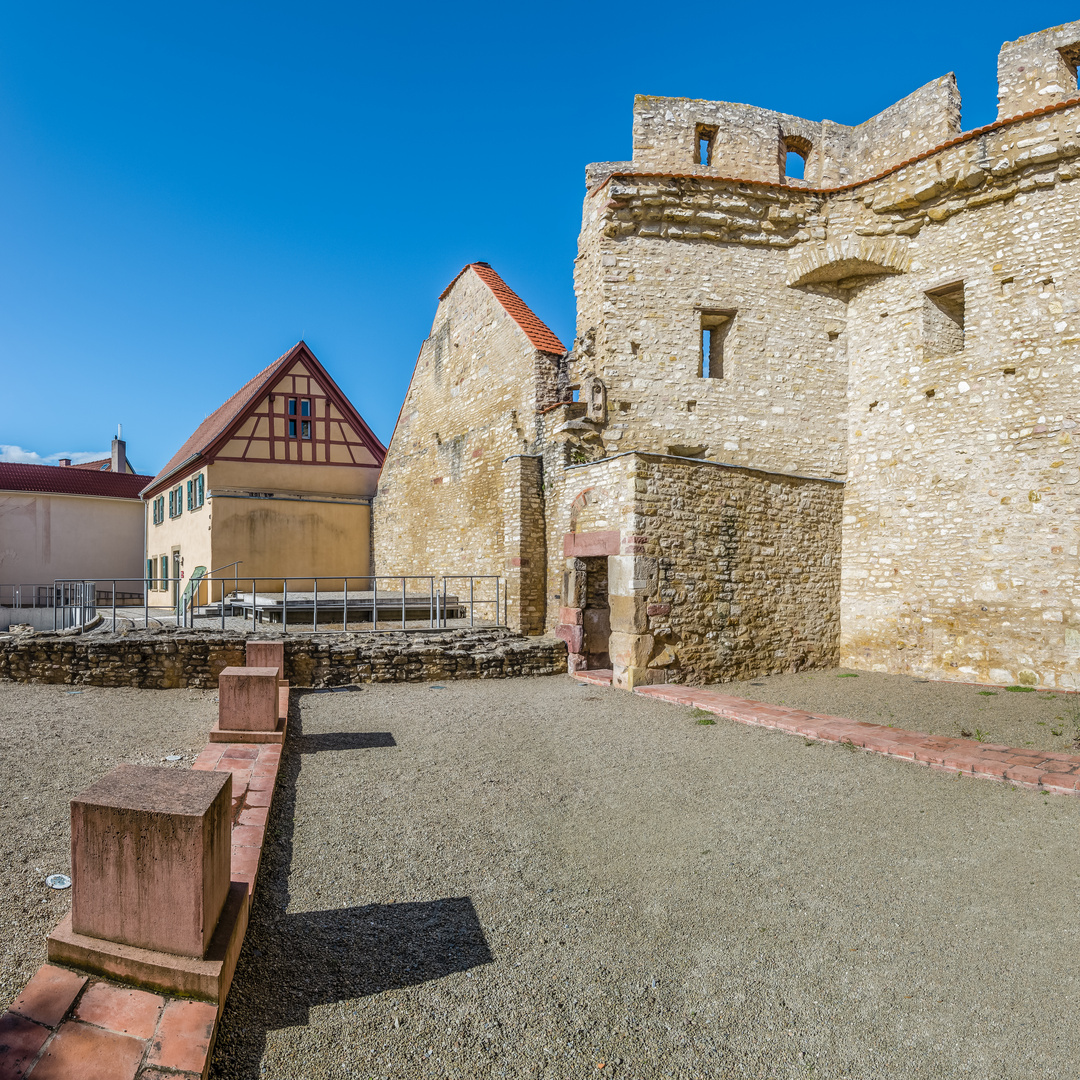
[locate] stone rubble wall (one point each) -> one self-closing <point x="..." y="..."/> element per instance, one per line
<point x="720" y="573"/>
<point x="751" y="143"/>
<point x="1033" y="73"/>
<point x="192" y="659"/>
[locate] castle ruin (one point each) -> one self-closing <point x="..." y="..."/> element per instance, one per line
<point x="805" y="421"/>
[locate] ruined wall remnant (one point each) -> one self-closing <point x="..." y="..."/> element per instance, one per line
<point x="896" y="332"/>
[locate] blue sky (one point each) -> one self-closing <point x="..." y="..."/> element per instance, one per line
<point x="187" y="190"/>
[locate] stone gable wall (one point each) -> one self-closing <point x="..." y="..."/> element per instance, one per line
<point x="472" y="404"/>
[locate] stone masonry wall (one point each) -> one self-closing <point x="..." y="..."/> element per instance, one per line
<point x="151" y="661"/>
<point x="751" y="143"/>
<point x="961" y="540"/>
<point x="656" y="257"/>
<point x="472" y="404"/>
<point x="721" y="573"/>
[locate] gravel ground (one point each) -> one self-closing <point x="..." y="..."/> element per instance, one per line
<point x="534" y="878"/>
<point x="55" y="742"/>
<point x="1046" y="719"/>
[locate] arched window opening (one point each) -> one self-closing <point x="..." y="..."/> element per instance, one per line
<point x="794" y="152"/>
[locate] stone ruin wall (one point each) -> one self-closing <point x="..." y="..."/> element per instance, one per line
<point x="962" y="518"/>
<point x="449" y="501"/>
<point x="650" y="264"/>
<point x="192" y="659"/>
<point x="940" y="576"/>
<point x="722" y="573"/>
<point x="752" y="143"/>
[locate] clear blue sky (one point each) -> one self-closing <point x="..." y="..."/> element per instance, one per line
<point x="188" y="189"/>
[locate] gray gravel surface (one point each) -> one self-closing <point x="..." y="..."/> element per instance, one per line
<point x="54" y="742"/>
<point x="1045" y="719"/>
<point x="533" y="877"/>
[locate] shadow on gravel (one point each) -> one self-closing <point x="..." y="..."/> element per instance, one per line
<point x="345" y="740"/>
<point x="292" y="962"/>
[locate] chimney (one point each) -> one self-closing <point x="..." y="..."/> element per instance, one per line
<point x="119" y="453"/>
<point x="65" y="461"/>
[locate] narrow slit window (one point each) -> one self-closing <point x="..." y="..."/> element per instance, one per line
<point x="704" y="144"/>
<point x="305" y="429"/>
<point x="794" y="154"/>
<point x="714" y="331"/>
<point x="943" y="320"/>
<point x="305" y="407"/>
<point x="292" y="406"/>
<point x="292" y="429"/>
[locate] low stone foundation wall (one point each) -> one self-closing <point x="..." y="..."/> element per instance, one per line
<point x="158" y="661"/>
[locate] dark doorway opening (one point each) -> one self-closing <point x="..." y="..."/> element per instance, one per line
<point x="596" y="618"/>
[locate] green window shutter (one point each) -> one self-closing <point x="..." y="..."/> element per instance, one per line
<point x="200" y="489"/>
<point x="190" y="494"/>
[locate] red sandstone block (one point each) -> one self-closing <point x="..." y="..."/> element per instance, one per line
<point x="1059" y="783"/>
<point x="571" y="616"/>
<point x="574" y="636"/>
<point x="20" y="1041"/>
<point x="47" y="997"/>
<point x="183" y="1037"/>
<point x="255" y="815"/>
<point x="258" y="798"/>
<point x="150" y="857"/>
<point x="247" y="699"/>
<point x="653" y="610"/>
<point x="1023" y="774"/>
<point x="245" y="864"/>
<point x="264" y="768"/>
<point x="159" y="1074"/>
<point x="261" y="783"/>
<point x="583" y="545"/>
<point x="81" y="1052"/>
<point x="269" y="752"/>
<point x="266" y="654"/>
<point x="208" y="758"/>
<point x="235" y="752"/>
<point x="247" y="836"/>
<point x="120" y="1009"/>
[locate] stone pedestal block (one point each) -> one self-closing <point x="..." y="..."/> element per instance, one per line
<point x="262" y="654"/>
<point x="248" y="699"/>
<point x="150" y="857"/>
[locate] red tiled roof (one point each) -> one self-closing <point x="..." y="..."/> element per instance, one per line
<point x="93" y="465"/>
<point x="536" y="331"/>
<point x="219" y="422"/>
<point x="67" y="480"/>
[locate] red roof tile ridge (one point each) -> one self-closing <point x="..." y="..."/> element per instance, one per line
<point x="538" y="332"/>
<point x="64" y="480"/>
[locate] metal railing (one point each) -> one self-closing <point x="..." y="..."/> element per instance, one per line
<point x="343" y="603"/>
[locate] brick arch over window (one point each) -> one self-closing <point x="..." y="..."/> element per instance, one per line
<point x="791" y="142"/>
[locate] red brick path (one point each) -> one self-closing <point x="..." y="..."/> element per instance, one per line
<point x="1058" y="773"/>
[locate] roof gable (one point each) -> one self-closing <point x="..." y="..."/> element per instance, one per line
<point x="227" y="420"/>
<point x="539" y="334"/>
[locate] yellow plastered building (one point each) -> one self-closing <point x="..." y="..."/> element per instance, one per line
<point x="275" y="483"/>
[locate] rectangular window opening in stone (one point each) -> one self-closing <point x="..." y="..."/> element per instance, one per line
<point x="1070" y="54"/>
<point x="794" y="165"/>
<point x="714" y="331"/>
<point x="704" y="142"/>
<point x="943" y="320"/>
